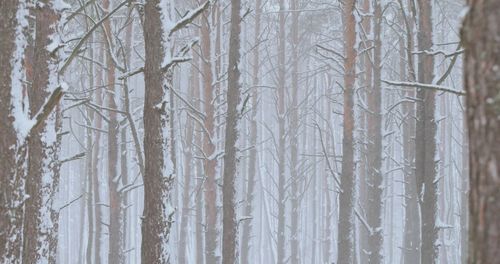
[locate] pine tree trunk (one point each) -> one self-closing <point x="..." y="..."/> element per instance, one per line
<point x="229" y="221"/>
<point x="411" y="244"/>
<point x="281" y="134"/>
<point x="115" y="252"/>
<point x="252" y="162"/>
<point x="293" y="139"/>
<point x="158" y="178"/>
<point x="374" y="148"/>
<point x="426" y="138"/>
<point x="13" y="154"/>
<point x="210" y="163"/>
<point x="44" y="144"/>
<point x="188" y="169"/>
<point x="346" y="197"/>
<point x="480" y="35"/>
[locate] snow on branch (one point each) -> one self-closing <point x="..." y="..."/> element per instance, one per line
<point x="426" y="86"/>
<point x="188" y="18"/>
<point x="82" y="41"/>
<point x="47" y="108"/>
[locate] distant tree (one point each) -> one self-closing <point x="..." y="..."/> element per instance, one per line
<point x="345" y="244"/>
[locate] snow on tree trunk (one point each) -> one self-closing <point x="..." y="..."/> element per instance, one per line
<point x="13" y="154"/>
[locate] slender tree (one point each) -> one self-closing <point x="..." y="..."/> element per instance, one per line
<point x="229" y="221"/>
<point x="426" y="137"/>
<point x="374" y="146"/>
<point x="345" y="243"/>
<point x="252" y="162"/>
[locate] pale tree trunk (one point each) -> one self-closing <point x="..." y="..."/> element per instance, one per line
<point x="411" y="244"/>
<point x="293" y="138"/>
<point x="426" y="138"/>
<point x="210" y="162"/>
<point x="198" y="175"/>
<point x="124" y="157"/>
<point x="115" y="252"/>
<point x="41" y="216"/>
<point x="281" y="133"/>
<point x="367" y="78"/>
<point x="374" y="147"/>
<point x="252" y="162"/>
<point x="480" y="37"/>
<point x="347" y="190"/>
<point x="188" y="167"/>
<point x="96" y="156"/>
<point x="229" y="221"/>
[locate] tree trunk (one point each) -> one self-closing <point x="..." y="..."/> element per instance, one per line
<point x="43" y="161"/>
<point x="158" y="178"/>
<point x="426" y="138"/>
<point x="411" y="244"/>
<point x="252" y="162"/>
<point x="281" y="133"/>
<point x="480" y="35"/>
<point x="229" y="221"/>
<point x="374" y="147"/>
<point x="293" y="139"/>
<point x="346" y="197"/>
<point x="13" y="154"/>
<point x="366" y="62"/>
<point x="96" y="156"/>
<point x="115" y="252"/>
<point x="188" y="167"/>
<point x="210" y="162"/>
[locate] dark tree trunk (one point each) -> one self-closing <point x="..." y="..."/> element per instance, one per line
<point x="158" y="177"/>
<point x="43" y="154"/>
<point x="426" y="138"/>
<point x="480" y="36"/>
<point x="346" y="196"/>
<point x="12" y="156"/>
<point x="229" y="221"/>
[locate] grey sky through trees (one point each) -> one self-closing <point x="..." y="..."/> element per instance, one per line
<point x="236" y="131"/>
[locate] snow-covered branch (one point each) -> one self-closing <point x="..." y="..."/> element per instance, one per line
<point x="425" y="86"/>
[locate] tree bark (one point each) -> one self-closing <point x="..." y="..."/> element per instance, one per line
<point x="41" y="217"/>
<point x="13" y="154"/>
<point x="210" y="162"/>
<point x="345" y="243"/>
<point x="374" y="147"/>
<point x="229" y="221"/>
<point x="480" y="35"/>
<point x="115" y="237"/>
<point x="426" y="138"/>
<point x="158" y="178"/>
